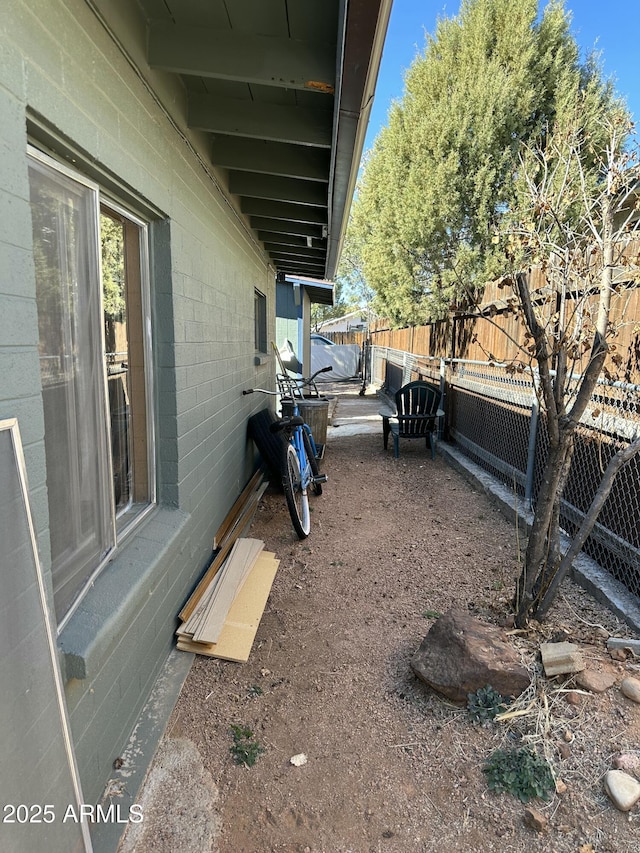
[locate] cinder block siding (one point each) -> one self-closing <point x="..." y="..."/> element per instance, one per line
<point x="64" y="74"/>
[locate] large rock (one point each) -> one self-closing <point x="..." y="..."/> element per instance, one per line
<point x="460" y="655"/>
<point x="631" y="688"/>
<point x="623" y="790"/>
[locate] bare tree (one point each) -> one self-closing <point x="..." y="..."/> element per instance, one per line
<point x="577" y="224"/>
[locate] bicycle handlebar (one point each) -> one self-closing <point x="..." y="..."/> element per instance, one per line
<point x="308" y="381"/>
<point x="298" y="381"/>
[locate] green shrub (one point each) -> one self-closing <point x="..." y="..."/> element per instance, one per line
<point x="245" y="749"/>
<point x="520" y="772"/>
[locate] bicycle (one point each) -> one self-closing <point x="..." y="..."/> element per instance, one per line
<point x="287" y="446"/>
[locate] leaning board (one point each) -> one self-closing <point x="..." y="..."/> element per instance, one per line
<point x="240" y="627"/>
<point x="39" y="781"/>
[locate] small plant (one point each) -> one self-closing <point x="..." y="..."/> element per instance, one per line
<point x="431" y="614"/>
<point x="485" y="704"/>
<point x="520" y="772"/>
<point x="245" y="749"/>
<point x="254" y="690"/>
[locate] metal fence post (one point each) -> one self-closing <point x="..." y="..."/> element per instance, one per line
<point x="531" y="454"/>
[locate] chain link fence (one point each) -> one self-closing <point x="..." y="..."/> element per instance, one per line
<point x="492" y="416"/>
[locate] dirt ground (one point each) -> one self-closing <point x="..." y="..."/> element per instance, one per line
<point x="391" y="766"/>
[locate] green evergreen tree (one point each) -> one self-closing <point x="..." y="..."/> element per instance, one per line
<point x="442" y="175"/>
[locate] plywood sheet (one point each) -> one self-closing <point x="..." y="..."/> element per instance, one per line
<point x="239" y="525"/>
<point x="236" y="570"/>
<point x="240" y="627"/>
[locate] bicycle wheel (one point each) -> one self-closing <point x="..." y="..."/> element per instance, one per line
<point x="297" y="498"/>
<point x="315" y="470"/>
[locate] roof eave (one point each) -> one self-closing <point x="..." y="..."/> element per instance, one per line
<point x="359" y="62"/>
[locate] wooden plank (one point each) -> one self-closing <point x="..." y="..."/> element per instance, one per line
<point x="204" y="582"/>
<point x="242" y="524"/>
<point x="243" y="556"/>
<point x="194" y="621"/>
<point x="240" y="549"/>
<point x="236" y="510"/>
<point x="243" y="521"/>
<point x="238" y="633"/>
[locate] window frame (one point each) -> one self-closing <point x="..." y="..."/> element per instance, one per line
<point x="260" y="321"/>
<point x="122" y="522"/>
<point x="126" y="520"/>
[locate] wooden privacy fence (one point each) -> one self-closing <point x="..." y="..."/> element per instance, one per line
<point x="492" y="332"/>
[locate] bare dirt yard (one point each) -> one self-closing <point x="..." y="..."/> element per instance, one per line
<point x="391" y="766"/>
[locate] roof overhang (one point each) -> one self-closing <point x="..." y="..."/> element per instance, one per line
<point x="319" y="292"/>
<point x="282" y="89"/>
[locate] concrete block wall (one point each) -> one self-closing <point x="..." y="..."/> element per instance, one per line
<point x="65" y="79"/>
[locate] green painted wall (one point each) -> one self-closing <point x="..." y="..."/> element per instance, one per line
<point x="63" y="75"/>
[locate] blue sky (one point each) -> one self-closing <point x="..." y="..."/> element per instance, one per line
<point x="611" y="26"/>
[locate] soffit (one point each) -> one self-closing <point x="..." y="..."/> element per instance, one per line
<point x="282" y="90"/>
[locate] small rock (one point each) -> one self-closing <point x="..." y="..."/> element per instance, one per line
<point x="535" y="819"/>
<point x="602" y="633"/>
<point x="568" y="736"/>
<point x="631" y="647"/>
<point x="564" y="749"/>
<point x="561" y="658"/>
<point x="596" y="681"/>
<point x="623" y="790"/>
<point x="628" y="762"/>
<point x="617" y="654"/>
<point x="298" y="760"/>
<point x="561" y="788"/>
<point x="573" y="697"/>
<point x="631" y="688"/>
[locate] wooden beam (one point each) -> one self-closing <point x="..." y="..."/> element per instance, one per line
<point x="282" y="210"/>
<point x="260" y="120"/>
<point x="278" y="250"/>
<point x="228" y="55"/>
<point x="235" y="513"/>
<point x="283" y="239"/>
<point x="299" y="267"/>
<point x="278" y="189"/>
<point x="271" y="158"/>
<point x="286" y="227"/>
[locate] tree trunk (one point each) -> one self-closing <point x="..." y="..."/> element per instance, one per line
<point x="542" y="554"/>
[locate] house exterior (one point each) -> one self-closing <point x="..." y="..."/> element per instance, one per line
<point x="294" y="298"/>
<point x="161" y="164"/>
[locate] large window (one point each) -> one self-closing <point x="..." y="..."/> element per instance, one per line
<point x="91" y="283"/>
